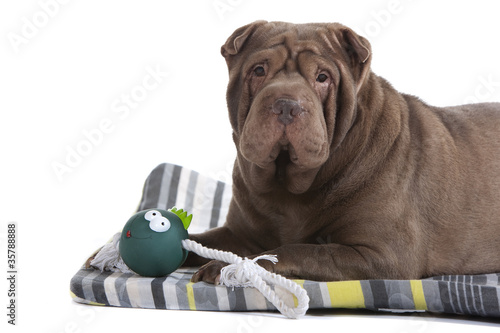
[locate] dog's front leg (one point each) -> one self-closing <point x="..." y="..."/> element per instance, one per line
<point x="336" y="262"/>
<point x="328" y="262"/>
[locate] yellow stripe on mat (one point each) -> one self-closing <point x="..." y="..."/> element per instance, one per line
<point x="346" y="294"/>
<point x="190" y="295"/>
<point x="300" y="283"/>
<point x="417" y="290"/>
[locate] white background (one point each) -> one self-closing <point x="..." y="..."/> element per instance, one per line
<point x="66" y="67"/>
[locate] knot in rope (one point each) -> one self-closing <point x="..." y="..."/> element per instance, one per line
<point x="238" y="274"/>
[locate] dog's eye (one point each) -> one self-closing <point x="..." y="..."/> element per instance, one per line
<point x="322" y="78"/>
<point x="259" y="71"/>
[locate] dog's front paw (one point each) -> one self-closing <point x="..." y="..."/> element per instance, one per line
<point x="209" y="272"/>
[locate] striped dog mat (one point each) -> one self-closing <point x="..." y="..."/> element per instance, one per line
<point x="208" y="199"/>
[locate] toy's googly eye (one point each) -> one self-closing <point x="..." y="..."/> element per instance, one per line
<point x="159" y="224"/>
<point x="152" y="214"/>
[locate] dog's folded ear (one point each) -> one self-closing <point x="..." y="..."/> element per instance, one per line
<point x="236" y="41"/>
<point x="355" y="66"/>
<point x="356" y="45"/>
<point x="359" y="51"/>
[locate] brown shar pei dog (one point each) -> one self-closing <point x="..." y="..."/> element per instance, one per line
<point x="341" y="176"/>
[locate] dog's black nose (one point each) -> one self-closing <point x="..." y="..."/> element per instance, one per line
<point x="286" y="109"/>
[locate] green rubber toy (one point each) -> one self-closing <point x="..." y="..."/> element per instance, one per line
<point x="150" y="243"/>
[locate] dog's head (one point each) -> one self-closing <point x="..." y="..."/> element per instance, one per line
<point x="292" y="97"/>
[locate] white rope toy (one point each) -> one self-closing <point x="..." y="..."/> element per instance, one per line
<point x="241" y="272"/>
<point x="244" y="272"/>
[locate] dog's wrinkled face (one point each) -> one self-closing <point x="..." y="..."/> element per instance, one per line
<point x="291" y="97"/>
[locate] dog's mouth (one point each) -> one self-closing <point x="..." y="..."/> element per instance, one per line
<point x="282" y="160"/>
<point x="285" y="156"/>
<point x="287" y="163"/>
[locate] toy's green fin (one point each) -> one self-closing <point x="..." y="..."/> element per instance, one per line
<point x="183" y="215"/>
